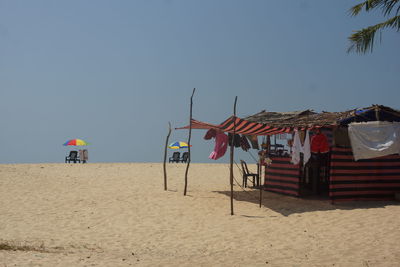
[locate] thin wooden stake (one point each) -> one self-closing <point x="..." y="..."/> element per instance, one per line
<point x="165" y="156"/>
<point x="232" y="152"/>
<point x="190" y="136"/>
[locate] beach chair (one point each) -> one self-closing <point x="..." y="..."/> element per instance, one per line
<point x="73" y="156"/>
<point x="175" y="157"/>
<point x="185" y="157"/>
<point x="247" y="174"/>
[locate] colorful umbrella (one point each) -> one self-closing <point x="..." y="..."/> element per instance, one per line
<point x="75" y="142"/>
<point x="178" y="145"/>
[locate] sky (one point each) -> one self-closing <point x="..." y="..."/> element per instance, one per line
<point x="114" y="73"/>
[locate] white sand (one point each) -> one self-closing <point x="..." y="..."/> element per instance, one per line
<point x="120" y="215"/>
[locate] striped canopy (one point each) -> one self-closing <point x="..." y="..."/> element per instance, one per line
<point x="241" y="127"/>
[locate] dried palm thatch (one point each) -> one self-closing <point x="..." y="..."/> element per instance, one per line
<point x="309" y="118"/>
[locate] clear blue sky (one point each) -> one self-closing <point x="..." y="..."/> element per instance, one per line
<point x="115" y="72"/>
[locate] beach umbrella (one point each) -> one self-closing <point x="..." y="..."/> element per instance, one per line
<point x="75" y="142"/>
<point x="178" y="145"/>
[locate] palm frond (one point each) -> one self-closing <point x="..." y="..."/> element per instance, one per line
<point x="355" y="10"/>
<point x="388" y="5"/>
<point x="362" y="41"/>
<point x="369" y="5"/>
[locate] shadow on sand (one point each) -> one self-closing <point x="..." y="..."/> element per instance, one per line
<point x="287" y="205"/>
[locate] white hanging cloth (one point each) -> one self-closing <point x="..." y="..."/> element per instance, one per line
<point x="307" y="148"/>
<point x="374" y="139"/>
<point x="296" y="148"/>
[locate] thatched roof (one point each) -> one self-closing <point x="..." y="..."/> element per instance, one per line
<point x="308" y="118"/>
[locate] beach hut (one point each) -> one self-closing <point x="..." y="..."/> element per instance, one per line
<point x="334" y="173"/>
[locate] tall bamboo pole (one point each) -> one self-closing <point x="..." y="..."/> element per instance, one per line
<point x="190" y="136"/>
<point x="232" y="152"/>
<point x="165" y="156"/>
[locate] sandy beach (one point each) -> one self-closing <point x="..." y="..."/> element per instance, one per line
<point x="118" y="214"/>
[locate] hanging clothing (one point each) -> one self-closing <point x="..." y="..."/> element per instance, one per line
<point x="254" y="141"/>
<point x="306" y="148"/>
<point x="374" y="139"/>
<point x="236" y="140"/>
<point x="244" y="144"/>
<point x="319" y="143"/>
<point x="296" y="148"/>
<point x="221" y="144"/>
<point x="210" y="134"/>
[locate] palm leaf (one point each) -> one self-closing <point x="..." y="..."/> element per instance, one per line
<point x="362" y="41"/>
<point x="385" y="5"/>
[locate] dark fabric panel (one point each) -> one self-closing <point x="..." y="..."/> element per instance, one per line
<point x="271" y="179"/>
<point x="364" y="182"/>
<point x="377" y="160"/>
<point x="275" y="174"/>
<point x="341" y="137"/>
<point x="281" y="160"/>
<point x="286" y="164"/>
<point x="377" y="178"/>
<point x="282" y="177"/>
<point x="356" y="174"/>
<point x="363" y="197"/>
<point x="365" y="178"/>
<point x="283" y="182"/>
<point x="336" y="152"/>
<point x="283" y="167"/>
<point x="359" y="189"/>
<point x="357" y="167"/>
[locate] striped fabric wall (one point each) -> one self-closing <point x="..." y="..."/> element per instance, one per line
<point x="282" y="177"/>
<point x="374" y="179"/>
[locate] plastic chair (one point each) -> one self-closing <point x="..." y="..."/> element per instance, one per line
<point x="73" y="156"/>
<point x="185" y="157"/>
<point x="247" y="173"/>
<point x="175" y="157"/>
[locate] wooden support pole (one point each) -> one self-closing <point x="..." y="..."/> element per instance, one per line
<point x="232" y="152"/>
<point x="165" y="156"/>
<point x="259" y="166"/>
<point x="190" y="136"/>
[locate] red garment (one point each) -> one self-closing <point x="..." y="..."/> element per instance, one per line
<point x="221" y="144"/>
<point x="210" y="134"/>
<point x="319" y="143"/>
